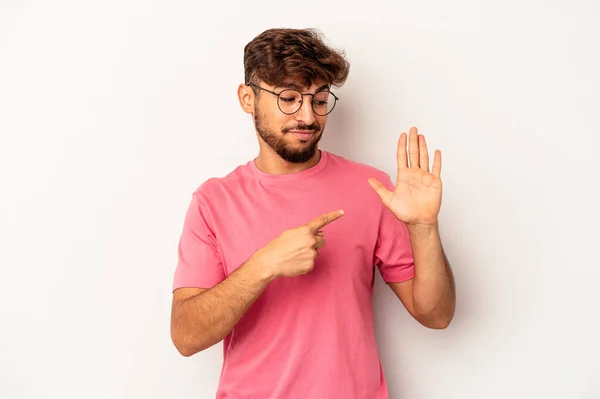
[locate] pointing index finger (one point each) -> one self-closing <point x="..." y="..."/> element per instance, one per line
<point x="325" y="219"/>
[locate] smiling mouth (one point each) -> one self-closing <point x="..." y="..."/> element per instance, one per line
<point x="302" y="134"/>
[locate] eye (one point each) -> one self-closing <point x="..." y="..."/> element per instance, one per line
<point x="287" y="99"/>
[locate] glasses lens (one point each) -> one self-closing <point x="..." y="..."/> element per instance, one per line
<point x="323" y="103"/>
<point x="289" y="101"/>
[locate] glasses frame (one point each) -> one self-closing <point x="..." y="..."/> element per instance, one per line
<point x="301" y="99"/>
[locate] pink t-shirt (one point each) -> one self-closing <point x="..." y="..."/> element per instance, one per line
<point x="306" y="337"/>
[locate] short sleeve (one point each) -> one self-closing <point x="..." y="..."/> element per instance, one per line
<point x="393" y="252"/>
<point x="199" y="262"/>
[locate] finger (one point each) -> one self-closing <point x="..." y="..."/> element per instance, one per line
<point x="324" y="220"/>
<point x="320" y="233"/>
<point x="413" y="148"/>
<point x="381" y="190"/>
<point x="320" y="242"/>
<point x="401" y="152"/>
<point x="437" y="164"/>
<point x="423" y="154"/>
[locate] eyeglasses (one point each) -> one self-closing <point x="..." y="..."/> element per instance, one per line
<point x="289" y="101"/>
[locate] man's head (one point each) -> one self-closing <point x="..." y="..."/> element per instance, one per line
<point x="281" y="60"/>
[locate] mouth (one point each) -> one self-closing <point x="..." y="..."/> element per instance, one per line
<point x="302" y="134"/>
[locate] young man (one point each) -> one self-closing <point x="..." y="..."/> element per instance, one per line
<point x="278" y="257"/>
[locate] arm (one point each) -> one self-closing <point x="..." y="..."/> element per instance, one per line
<point x="430" y="297"/>
<point x="201" y="318"/>
<point x="416" y="200"/>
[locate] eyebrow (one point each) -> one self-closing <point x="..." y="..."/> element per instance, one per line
<point x="296" y="87"/>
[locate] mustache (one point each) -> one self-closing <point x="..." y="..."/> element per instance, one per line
<point x="302" y="126"/>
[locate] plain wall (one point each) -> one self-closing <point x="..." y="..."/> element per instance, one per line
<point x="113" y="112"/>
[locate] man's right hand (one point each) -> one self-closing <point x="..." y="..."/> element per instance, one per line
<point x="293" y="253"/>
<point x="202" y="317"/>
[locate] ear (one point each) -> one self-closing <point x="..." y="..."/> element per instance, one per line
<point x="246" y="97"/>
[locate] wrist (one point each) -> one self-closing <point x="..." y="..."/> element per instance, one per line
<point x="260" y="270"/>
<point x="429" y="225"/>
<point x="422" y="229"/>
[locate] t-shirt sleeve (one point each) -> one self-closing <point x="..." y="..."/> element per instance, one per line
<point x="393" y="252"/>
<point x="199" y="262"/>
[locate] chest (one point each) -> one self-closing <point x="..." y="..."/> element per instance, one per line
<point x="245" y="227"/>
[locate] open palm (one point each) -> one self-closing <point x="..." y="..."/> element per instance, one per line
<point x="417" y="197"/>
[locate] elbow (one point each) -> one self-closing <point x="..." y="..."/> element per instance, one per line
<point x="435" y="316"/>
<point x="436" y="320"/>
<point x="186" y="353"/>
<point x="187" y="350"/>
<point x="184" y="345"/>
<point x="183" y="352"/>
<point x="440" y="323"/>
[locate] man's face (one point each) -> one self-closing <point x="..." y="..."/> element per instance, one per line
<point x="293" y="137"/>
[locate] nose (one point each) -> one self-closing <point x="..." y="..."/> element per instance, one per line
<point x="305" y="113"/>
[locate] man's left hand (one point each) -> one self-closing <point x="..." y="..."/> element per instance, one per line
<point x="417" y="197"/>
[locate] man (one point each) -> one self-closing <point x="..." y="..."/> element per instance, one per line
<point x="254" y="268"/>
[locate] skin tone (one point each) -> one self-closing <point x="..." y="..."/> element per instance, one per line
<point x="283" y="140"/>
<point x="201" y="318"/>
<point x="416" y="200"/>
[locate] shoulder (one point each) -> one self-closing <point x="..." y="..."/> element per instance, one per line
<point x="214" y="188"/>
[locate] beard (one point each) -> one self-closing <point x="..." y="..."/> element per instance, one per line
<point x="278" y="141"/>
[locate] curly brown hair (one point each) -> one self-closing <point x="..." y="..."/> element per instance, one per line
<point x="277" y="55"/>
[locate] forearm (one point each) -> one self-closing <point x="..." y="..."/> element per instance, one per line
<point x="433" y="285"/>
<point x="205" y="319"/>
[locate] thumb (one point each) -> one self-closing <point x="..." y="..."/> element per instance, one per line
<point x="381" y="190"/>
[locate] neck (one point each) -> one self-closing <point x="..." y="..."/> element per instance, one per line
<point x="268" y="161"/>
